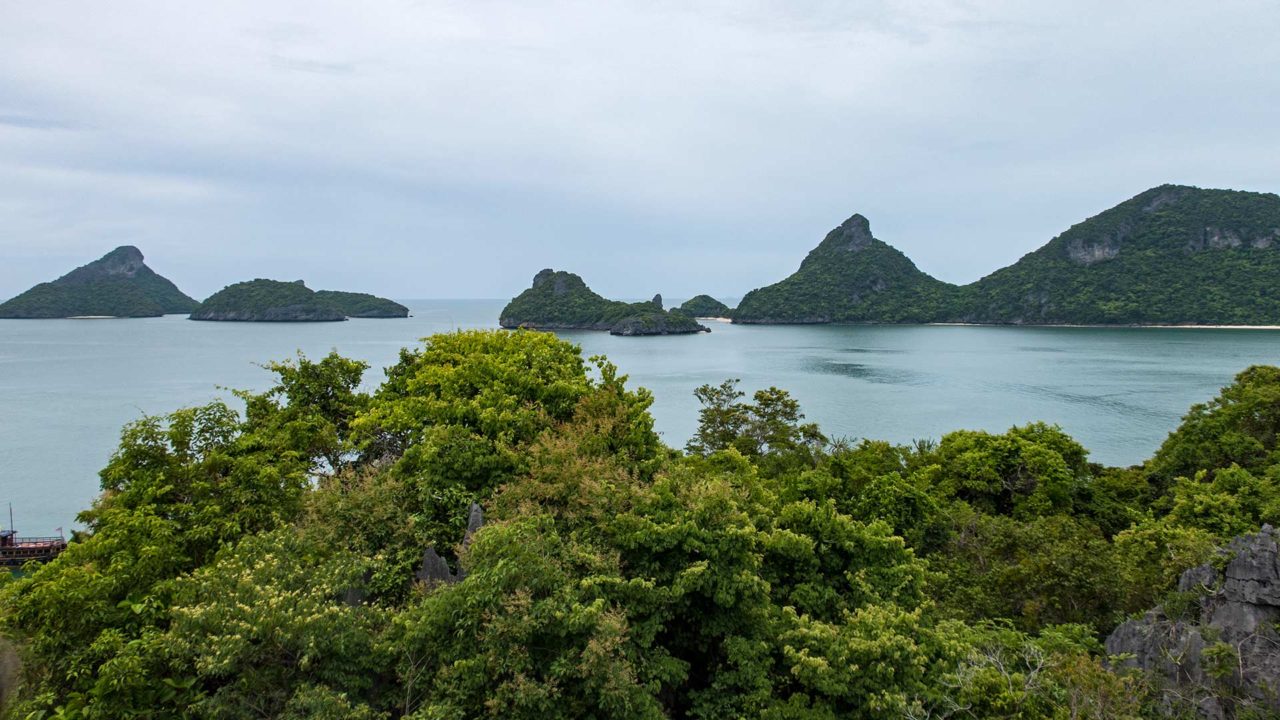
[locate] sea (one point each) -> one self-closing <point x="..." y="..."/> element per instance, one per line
<point x="67" y="387"/>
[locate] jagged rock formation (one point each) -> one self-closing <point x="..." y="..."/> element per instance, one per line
<point x="850" y="277"/>
<point x="560" y="300"/>
<point x="119" y="284"/>
<point x="704" y="306"/>
<point x="1171" y="255"/>
<point x="435" y="569"/>
<point x="1223" y="653"/>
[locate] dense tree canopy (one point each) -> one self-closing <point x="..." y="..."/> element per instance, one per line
<point x="264" y="564"/>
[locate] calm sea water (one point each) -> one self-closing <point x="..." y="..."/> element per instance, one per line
<point x="67" y="386"/>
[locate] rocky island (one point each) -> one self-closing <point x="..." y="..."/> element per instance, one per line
<point x="119" y="284"/>
<point x="704" y="306"/>
<point x="275" y="301"/>
<point x="849" y="277"/>
<point x="362" y="305"/>
<point x="1173" y="255"/>
<point x="560" y="300"/>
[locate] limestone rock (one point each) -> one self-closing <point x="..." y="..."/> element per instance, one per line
<point x="1238" y="607"/>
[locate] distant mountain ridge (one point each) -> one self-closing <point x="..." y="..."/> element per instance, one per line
<point x="1170" y="255"/>
<point x="119" y="284"/>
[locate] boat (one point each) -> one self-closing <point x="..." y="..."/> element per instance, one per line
<point x="17" y="551"/>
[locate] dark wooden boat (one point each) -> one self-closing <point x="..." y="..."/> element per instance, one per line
<point x="18" y="551"/>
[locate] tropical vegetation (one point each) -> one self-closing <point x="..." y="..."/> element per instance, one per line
<point x="562" y="301"/>
<point x="704" y="306"/>
<point x="119" y="284"/>
<point x="362" y="305"/>
<point x="263" y="562"/>
<point x="1170" y="255"/>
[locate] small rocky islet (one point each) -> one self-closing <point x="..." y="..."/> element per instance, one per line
<point x="560" y="300"/>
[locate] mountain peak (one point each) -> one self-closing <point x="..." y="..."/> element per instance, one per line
<point x="125" y="260"/>
<point x="118" y="284"/>
<point x="853" y="234"/>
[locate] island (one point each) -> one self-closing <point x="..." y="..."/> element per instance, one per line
<point x="560" y="300"/>
<point x="363" y="305"/>
<point x="704" y="306"/>
<point x="1173" y="255"/>
<point x="276" y="301"/>
<point x="119" y="284"/>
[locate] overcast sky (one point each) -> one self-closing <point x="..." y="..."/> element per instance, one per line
<point x="453" y="149"/>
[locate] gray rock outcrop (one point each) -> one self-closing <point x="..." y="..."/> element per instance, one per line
<point x="1223" y="654"/>
<point x="435" y="569"/>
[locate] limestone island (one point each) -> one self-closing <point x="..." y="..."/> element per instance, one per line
<point x="704" y="306"/>
<point x="276" y="301"/>
<point x="119" y="284"/>
<point x="1173" y="255"/>
<point x="560" y="300"/>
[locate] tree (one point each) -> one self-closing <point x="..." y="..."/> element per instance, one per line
<point x="767" y="430"/>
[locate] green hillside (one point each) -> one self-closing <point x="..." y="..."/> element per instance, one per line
<point x="1171" y="255"/>
<point x="850" y="277"/>
<point x="704" y="306"/>
<point x="560" y="300"/>
<point x="267" y="301"/>
<point x="362" y="305"/>
<point x="119" y="284"/>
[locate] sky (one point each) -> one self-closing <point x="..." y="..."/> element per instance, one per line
<point x="453" y="149"/>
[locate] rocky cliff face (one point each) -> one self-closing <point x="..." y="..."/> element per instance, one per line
<point x="1221" y="656"/>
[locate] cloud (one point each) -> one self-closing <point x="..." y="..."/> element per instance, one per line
<point x="453" y="149"/>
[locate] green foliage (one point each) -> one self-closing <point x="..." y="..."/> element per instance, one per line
<point x="117" y="284"/>
<point x="309" y="413"/>
<point x="767" y="429"/>
<point x="1240" y="427"/>
<point x="561" y="300"/>
<point x="704" y="306"/>
<point x="362" y="305"/>
<point x="267" y="301"/>
<point x="849" y="277"/>
<point x="1171" y="255"/>
<point x="265" y="630"/>
<point x="178" y="490"/>
<point x="1029" y="471"/>
<point x="264" y="566"/>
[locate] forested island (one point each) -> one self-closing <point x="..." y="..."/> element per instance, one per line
<point x="119" y="284"/>
<point x="497" y="531"/>
<point x="1173" y="255"/>
<point x="704" y="306"/>
<point x="560" y="300"/>
<point x="275" y="301"/>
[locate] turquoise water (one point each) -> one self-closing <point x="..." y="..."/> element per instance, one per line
<point x="67" y="386"/>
